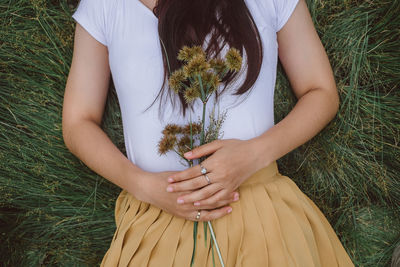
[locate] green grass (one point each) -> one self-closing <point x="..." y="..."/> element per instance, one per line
<point x="55" y="211"/>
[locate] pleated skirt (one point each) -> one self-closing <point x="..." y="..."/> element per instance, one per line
<point x="273" y="224"/>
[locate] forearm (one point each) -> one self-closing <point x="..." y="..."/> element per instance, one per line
<point x="310" y="115"/>
<point x="87" y="141"/>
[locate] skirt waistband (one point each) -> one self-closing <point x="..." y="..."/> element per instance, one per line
<point x="266" y="174"/>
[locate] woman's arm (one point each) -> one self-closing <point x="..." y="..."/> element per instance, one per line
<point x="83" y="107"/>
<point x="233" y="161"/>
<point x="307" y="66"/>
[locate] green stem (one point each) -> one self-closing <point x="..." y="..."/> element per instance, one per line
<point x="203" y="94"/>
<point x="203" y="99"/>
<point x="216" y="244"/>
<point x="191" y="132"/>
<point x="203" y="122"/>
<point x="212" y="253"/>
<point x="214" y="240"/>
<point x="194" y="245"/>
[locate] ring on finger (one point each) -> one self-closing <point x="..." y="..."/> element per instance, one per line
<point x="208" y="179"/>
<point x="198" y="215"/>
<point x="203" y="169"/>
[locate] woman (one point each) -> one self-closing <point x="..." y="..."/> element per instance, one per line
<point x="260" y="217"/>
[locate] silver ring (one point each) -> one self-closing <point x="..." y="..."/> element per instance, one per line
<point x="208" y="179"/>
<point x="198" y="215"/>
<point x="203" y="170"/>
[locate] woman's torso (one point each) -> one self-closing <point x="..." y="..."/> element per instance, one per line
<point x="137" y="71"/>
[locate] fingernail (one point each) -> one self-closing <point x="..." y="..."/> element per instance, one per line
<point x="170" y="180"/>
<point x="169" y="189"/>
<point x="236" y="197"/>
<point x="187" y="154"/>
<point x="229" y="210"/>
<point x="196" y="203"/>
<point x="180" y="201"/>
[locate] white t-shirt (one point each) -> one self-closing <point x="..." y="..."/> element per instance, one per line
<point x="129" y="30"/>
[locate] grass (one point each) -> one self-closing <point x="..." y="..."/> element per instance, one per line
<point x="56" y="211"/>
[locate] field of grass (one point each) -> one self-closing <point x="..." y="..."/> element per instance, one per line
<point x="54" y="211"/>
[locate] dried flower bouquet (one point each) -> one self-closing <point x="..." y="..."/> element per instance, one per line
<point x="198" y="78"/>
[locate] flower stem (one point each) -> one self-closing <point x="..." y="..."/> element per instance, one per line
<point x="203" y="122"/>
<point x="216" y="244"/>
<point x="214" y="240"/>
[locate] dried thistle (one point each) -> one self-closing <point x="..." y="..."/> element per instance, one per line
<point x="166" y="143"/>
<point x="196" y="128"/>
<point x="176" y="80"/>
<point x="192" y="93"/>
<point x="233" y="59"/>
<point x="172" y="128"/>
<point x="211" y="80"/>
<point x="218" y="65"/>
<point x="187" y="53"/>
<point x="196" y="65"/>
<point x="184" y="144"/>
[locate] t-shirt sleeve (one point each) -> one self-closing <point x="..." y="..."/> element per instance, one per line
<point x="283" y="10"/>
<point x="90" y="14"/>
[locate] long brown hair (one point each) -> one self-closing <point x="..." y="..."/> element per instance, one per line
<point x="188" y="23"/>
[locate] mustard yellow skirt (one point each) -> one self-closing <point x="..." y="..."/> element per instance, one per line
<point x="273" y="224"/>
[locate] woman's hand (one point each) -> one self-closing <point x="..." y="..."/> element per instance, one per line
<point x="232" y="162"/>
<point x="152" y="190"/>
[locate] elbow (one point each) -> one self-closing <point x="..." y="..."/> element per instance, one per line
<point x="66" y="134"/>
<point x="73" y="130"/>
<point x="329" y="99"/>
<point x="336" y="104"/>
<point x="334" y="101"/>
<point x="67" y="128"/>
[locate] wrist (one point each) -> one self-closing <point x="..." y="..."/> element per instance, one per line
<point x="135" y="180"/>
<point x="261" y="152"/>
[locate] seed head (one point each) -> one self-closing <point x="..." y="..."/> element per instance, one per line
<point x="211" y="79"/>
<point x="172" y="128"/>
<point x="218" y="65"/>
<point x="196" y="129"/>
<point x="186" y="53"/>
<point x="176" y="80"/>
<point x="166" y="143"/>
<point x="233" y="59"/>
<point x="196" y="65"/>
<point x="184" y="144"/>
<point x="192" y="92"/>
